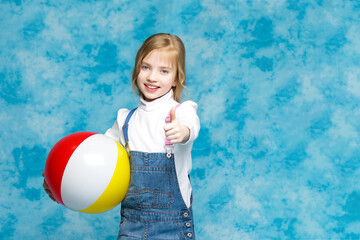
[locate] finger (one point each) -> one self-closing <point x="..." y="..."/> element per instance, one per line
<point x="176" y="140"/>
<point x="171" y="132"/>
<point x="172" y="129"/>
<point x="174" y="136"/>
<point x="169" y="126"/>
<point x="172" y="114"/>
<point x="52" y="198"/>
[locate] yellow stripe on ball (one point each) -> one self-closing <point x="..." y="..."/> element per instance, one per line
<point x="116" y="190"/>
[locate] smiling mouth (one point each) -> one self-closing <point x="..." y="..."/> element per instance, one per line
<point x="151" y="88"/>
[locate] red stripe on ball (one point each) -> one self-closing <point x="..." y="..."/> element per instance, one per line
<point x="58" y="158"/>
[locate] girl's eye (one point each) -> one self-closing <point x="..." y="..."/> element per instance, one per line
<point x="164" y="71"/>
<point x="145" y="67"/>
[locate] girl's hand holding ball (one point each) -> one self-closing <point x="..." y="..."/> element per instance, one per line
<point x="47" y="189"/>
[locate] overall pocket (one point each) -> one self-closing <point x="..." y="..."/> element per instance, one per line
<point x="150" y="187"/>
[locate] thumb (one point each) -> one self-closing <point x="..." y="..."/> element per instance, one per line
<point x="172" y="114"/>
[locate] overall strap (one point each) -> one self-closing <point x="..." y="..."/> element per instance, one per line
<point x="125" y="129"/>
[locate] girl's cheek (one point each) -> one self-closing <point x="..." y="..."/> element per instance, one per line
<point x="140" y="76"/>
<point x="138" y="82"/>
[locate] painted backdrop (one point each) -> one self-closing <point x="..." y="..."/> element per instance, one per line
<point x="278" y="89"/>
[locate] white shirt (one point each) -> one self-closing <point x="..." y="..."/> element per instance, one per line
<point x="146" y="133"/>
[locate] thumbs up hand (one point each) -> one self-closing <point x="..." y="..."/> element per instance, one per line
<point x="174" y="131"/>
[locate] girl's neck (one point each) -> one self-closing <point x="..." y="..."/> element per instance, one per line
<point x="150" y="106"/>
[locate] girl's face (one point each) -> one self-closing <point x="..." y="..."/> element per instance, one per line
<point x="157" y="75"/>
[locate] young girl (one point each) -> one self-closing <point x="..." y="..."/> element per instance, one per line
<point x="158" y="135"/>
<point x="158" y="202"/>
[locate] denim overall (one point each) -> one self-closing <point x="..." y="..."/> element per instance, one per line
<point x="153" y="207"/>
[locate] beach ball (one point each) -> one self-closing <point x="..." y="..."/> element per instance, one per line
<point x="88" y="172"/>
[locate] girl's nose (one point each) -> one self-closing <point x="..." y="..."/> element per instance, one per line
<point x="152" y="76"/>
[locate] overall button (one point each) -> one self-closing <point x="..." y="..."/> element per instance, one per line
<point x="187" y="224"/>
<point x="189" y="235"/>
<point x="185" y="214"/>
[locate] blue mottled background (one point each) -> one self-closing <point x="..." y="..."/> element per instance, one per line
<point x="278" y="88"/>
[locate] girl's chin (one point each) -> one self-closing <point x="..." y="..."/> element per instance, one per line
<point x="148" y="98"/>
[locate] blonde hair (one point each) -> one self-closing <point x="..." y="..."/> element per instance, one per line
<point x="175" y="47"/>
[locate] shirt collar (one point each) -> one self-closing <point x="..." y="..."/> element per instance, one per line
<point x="150" y="106"/>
